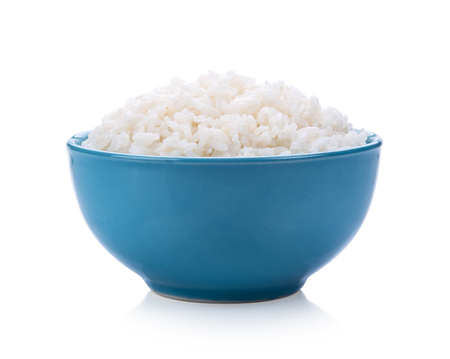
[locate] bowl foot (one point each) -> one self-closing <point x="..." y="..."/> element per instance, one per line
<point x="226" y="296"/>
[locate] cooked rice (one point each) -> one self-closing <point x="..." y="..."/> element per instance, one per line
<point x="224" y="116"/>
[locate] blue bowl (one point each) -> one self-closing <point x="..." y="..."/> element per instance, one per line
<point x="238" y="229"/>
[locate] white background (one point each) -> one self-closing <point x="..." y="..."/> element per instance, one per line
<point x="65" y="64"/>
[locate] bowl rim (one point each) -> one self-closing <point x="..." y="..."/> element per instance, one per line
<point x="74" y="143"/>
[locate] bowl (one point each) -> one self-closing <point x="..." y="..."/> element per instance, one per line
<point x="237" y="229"/>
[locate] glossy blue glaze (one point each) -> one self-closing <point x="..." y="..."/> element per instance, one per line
<point x="224" y="229"/>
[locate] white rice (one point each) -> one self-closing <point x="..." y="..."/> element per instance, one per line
<point x="224" y="116"/>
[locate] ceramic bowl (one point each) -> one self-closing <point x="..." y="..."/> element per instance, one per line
<point x="224" y="229"/>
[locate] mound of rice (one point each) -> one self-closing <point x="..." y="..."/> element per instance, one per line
<point x="224" y="116"/>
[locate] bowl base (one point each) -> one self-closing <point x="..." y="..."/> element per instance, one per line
<point x="219" y="301"/>
<point x="226" y="296"/>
